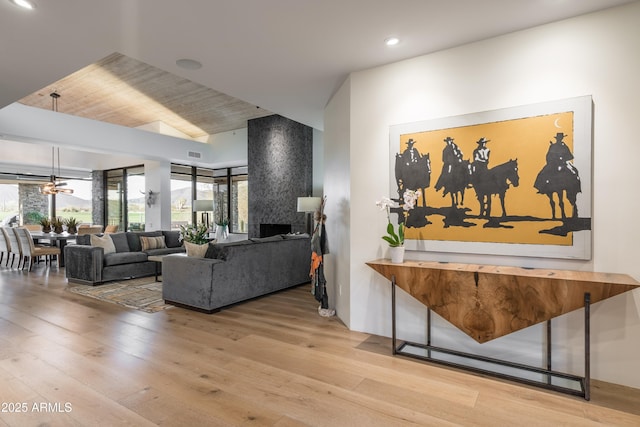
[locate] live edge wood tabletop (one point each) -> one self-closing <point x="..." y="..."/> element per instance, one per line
<point x="489" y="301"/>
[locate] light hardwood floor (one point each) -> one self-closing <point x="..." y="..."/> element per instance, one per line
<point x="271" y="361"/>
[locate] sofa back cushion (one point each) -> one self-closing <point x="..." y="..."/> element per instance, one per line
<point x="133" y="237"/>
<point x="103" y="242"/>
<point x="149" y="242"/>
<point x="172" y="238"/>
<point x="120" y="241"/>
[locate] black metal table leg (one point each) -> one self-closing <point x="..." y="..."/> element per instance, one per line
<point x="393" y="314"/>
<point x="587" y="346"/>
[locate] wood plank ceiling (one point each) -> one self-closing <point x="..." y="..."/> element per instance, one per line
<point x="126" y="92"/>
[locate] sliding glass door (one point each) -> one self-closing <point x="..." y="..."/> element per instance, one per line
<point x="125" y="198"/>
<point x="115" y="208"/>
<point x="136" y="199"/>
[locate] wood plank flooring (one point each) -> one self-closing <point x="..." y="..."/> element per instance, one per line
<point x="71" y="360"/>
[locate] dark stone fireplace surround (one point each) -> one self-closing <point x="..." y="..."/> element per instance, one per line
<point x="280" y="161"/>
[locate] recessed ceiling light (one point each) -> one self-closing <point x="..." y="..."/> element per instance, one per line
<point x="189" y="64"/>
<point x="25" y="4"/>
<point x="392" y="41"/>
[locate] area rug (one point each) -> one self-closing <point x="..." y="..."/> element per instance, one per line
<point x="142" y="294"/>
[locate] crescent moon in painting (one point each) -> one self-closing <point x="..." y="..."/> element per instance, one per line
<point x="555" y="123"/>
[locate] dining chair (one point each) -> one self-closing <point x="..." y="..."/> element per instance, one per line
<point x="4" y="246"/>
<point x="13" y="246"/>
<point x="111" y="229"/>
<point x="94" y="229"/>
<point x="32" y="251"/>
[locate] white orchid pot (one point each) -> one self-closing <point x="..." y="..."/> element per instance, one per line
<point x="396" y="254"/>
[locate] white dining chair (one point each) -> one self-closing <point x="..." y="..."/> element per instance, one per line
<point x="4" y="246"/>
<point x="33" y="252"/>
<point x="12" y="245"/>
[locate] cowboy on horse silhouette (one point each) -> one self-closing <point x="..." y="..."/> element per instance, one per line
<point x="559" y="175"/>
<point x="413" y="170"/>
<point x="481" y="156"/>
<point x="454" y="177"/>
<point x="489" y="182"/>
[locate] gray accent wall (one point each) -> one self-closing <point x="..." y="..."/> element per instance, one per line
<point x="280" y="160"/>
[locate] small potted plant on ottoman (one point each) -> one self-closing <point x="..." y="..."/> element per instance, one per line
<point x="195" y="238"/>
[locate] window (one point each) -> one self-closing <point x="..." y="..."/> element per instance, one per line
<point x="205" y="186"/>
<point x="181" y="195"/>
<point x="240" y="199"/>
<point x="22" y="203"/>
<point x="227" y="187"/>
<point x="77" y="205"/>
<point x="221" y="197"/>
<point x="8" y="204"/>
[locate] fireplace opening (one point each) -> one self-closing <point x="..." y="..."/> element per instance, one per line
<point x="267" y="230"/>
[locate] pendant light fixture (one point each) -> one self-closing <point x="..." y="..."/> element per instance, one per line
<point x="54" y="186"/>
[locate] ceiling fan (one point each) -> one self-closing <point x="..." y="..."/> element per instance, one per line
<point x="54" y="185"/>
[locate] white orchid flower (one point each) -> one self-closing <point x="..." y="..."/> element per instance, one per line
<point x="410" y="198"/>
<point x="386" y="203"/>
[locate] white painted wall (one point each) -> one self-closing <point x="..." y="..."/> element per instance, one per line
<point x="158" y="179"/>
<point x="595" y="54"/>
<point x="337" y="184"/>
<point x="28" y="124"/>
<point x="229" y="148"/>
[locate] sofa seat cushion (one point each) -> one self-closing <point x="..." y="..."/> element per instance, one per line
<point x="165" y="251"/>
<point x="119" y="258"/>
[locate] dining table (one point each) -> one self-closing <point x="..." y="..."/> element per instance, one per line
<point x="58" y="239"/>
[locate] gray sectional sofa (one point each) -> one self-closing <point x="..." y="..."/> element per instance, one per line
<point x="88" y="264"/>
<point x="236" y="271"/>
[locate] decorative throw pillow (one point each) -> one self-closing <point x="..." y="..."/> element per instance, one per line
<point x="103" y="242"/>
<point x="152" y="242"/>
<point x="195" y="250"/>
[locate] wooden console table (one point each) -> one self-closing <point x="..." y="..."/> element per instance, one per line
<point x="488" y="302"/>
